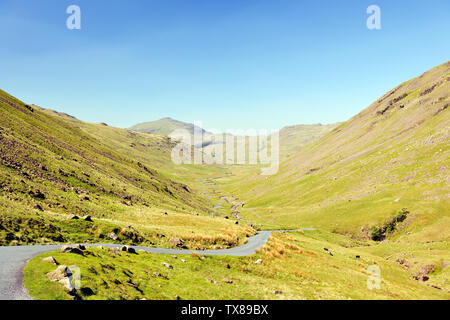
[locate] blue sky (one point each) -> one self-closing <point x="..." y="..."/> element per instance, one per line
<point x="259" y="64"/>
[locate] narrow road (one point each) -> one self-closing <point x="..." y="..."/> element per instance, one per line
<point x="14" y="259"/>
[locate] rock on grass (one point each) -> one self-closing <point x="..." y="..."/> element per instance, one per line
<point x="75" y="250"/>
<point x="50" y="260"/>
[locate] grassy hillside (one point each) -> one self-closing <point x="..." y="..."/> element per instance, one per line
<point x="52" y="165"/>
<point x="293" y="138"/>
<point x="392" y="155"/>
<point x="376" y="188"/>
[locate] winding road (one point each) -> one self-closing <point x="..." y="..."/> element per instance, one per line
<point x="14" y="259"/>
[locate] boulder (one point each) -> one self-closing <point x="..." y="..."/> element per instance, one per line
<point x="87" y="292"/>
<point x="159" y="275"/>
<point x="63" y="275"/>
<point x="37" y="194"/>
<point x="166" y="265"/>
<point x="50" y="260"/>
<point x="176" y="242"/>
<point x="421" y="277"/>
<point x="84" y="197"/>
<point x="426" y="269"/>
<point x="87" y="218"/>
<point x="403" y="262"/>
<point x="130" y="233"/>
<point x="80" y="246"/>
<point x="73" y="217"/>
<point x="60" y="273"/>
<point x="128" y="249"/>
<point x="259" y="261"/>
<point x="112" y="236"/>
<point x="229" y="281"/>
<point x="75" y="250"/>
<point x="65" y="249"/>
<point x="127" y="203"/>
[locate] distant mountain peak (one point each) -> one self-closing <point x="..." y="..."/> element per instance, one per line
<point x="165" y="126"/>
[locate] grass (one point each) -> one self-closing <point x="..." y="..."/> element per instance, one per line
<point x="364" y="171"/>
<point x="294" y="266"/>
<point x="118" y="177"/>
<point x="355" y="179"/>
<point x="138" y="226"/>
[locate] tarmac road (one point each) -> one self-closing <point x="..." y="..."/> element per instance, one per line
<point x="14" y="259"/>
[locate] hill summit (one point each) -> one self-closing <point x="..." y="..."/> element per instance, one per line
<point x="165" y="126"/>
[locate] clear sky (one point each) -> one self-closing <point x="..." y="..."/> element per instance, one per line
<point x="259" y="64"/>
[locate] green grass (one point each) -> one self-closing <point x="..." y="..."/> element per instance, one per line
<point x="116" y="176"/>
<point x="364" y="171"/>
<point x="393" y="155"/>
<point x="295" y="264"/>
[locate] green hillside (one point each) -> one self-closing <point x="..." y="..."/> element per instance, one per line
<point x="293" y="138"/>
<point x="375" y="189"/>
<point x="392" y="155"/>
<point x="53" y="166"/>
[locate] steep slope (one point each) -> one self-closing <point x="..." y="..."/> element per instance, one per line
<point x="50" y="167"/>
<point x="154" y="149"/>
<point x="293" y="138"/>
<point x="392" y="155"/>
